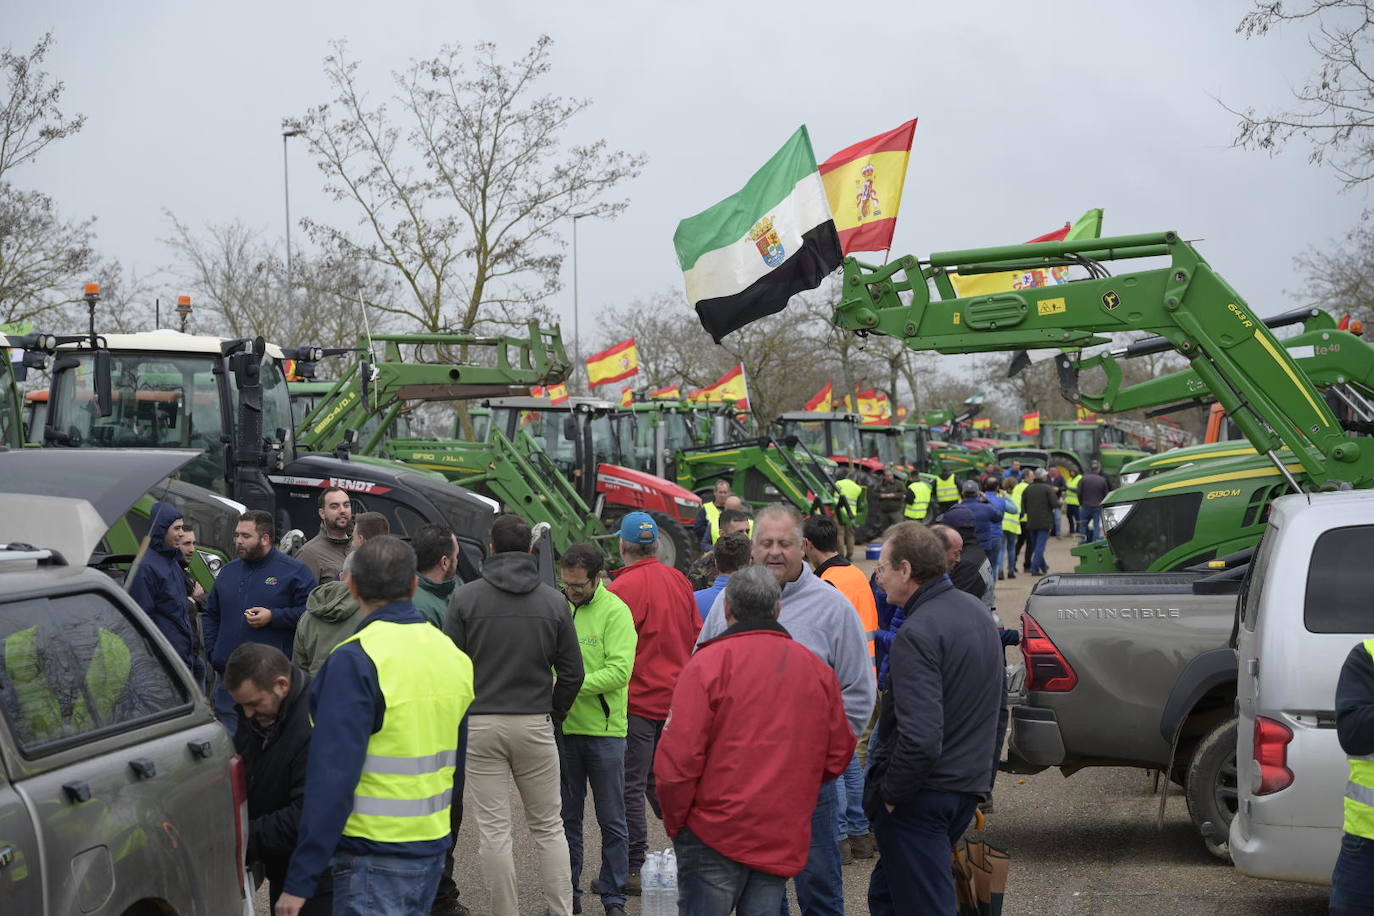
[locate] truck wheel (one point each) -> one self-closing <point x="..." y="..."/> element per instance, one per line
<point x="1211" y="788"/>
<point x="675" y="546"/>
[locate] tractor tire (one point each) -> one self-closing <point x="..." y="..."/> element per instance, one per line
<point x="676" y="546"/>
<point x="1211" y="789"/>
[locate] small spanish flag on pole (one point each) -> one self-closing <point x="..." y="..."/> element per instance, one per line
<point x="613" y="365"/>
<point x="558" y="394"/>
<point x="864" y="186"/>
<point x="627" y="397"/>
<point x="669" y="392"/>
<point x="982" y="422"/>
<point x="1030" y="423"/>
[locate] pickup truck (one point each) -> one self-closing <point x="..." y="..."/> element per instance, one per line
<point x="1135" y="669"/>
<point x="119" y="792"/>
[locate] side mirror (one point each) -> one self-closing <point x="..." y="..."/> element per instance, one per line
<point x="104" y="383"/>
<point x="570" y="428"/>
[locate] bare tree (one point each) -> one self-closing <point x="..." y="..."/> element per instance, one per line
<point x="1334" y="110"/>
<point x="463" y="193"/>
<point x="30" y="113"/>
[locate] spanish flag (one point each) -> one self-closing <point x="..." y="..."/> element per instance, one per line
<point x="613" y="365"/>
<point x="864" y="186"/>
<point x="820" y="401"/>
<point x="732" y="387"/>
<point x="1030" y="423"/>
<point x="558" y="394"/>
<point x="1089" y="226"/>
<point x="1084" y="414"/>
<point x="874" y="406"/>
<point x="671" y="392"/>
<point x="982" y="422"/>
<point x="627" y="397"/>
<point x="902" y="413"/>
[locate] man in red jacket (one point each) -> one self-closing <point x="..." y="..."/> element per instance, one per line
<point x="757" y="724"/>
<point x="667" y="621"/>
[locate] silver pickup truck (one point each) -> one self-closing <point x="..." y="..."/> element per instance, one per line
<point x="1135" y="669"/>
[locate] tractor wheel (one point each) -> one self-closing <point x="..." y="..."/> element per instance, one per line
<point x="675" y="543"/>
<point x="1211" y="788"/>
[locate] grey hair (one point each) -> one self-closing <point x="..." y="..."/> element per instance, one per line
<point x="1041" y="474"/>
<point x="753" y="594"/>
<point x="786" y="511"/>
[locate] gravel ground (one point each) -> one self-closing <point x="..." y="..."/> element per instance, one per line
<point x="1083" y="845"/>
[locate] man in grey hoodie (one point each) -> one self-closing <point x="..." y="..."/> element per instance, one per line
<point x="527" y="668"/>
<point x="820" y="617"/>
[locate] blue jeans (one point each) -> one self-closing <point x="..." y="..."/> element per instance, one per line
<point x="600" y="761"/>
<point x="384" y="885"/>
<point x="914" y="843"/>
<point x="1091" y="523"/>
<point x="1039" y="539"/>
<point x="709" y="884"/>
<point x="820" y="886"/>
<point x="1352" y="882"/>
<point x="994" y="556"/>
<point x="1008" y="555"/>
<point x="849" y="788"/>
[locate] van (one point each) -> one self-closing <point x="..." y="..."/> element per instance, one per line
<point x="119" y="791"/>
<point x="1309" y="599"/>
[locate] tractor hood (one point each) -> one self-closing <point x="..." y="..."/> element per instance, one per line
<point x="65" y="500"/>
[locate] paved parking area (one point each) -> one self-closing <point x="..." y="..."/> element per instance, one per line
<point x="1082" y="845"/>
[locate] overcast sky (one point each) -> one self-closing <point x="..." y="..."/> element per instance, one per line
<point x="1030" y="113"/>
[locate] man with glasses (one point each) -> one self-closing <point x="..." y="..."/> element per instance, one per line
<point x="592" y="747"/>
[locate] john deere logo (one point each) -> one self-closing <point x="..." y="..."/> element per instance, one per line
<point x="1110" y="300"/>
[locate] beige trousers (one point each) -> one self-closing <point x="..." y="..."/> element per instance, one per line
<point x="502" y="747"/>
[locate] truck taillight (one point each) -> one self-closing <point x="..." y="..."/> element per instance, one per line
<point x="238" y="778"/>
<point x="1046" y="667"/>
<point x="1271" y="757"/>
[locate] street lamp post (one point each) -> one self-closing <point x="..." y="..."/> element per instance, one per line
<point x="286" y="195"/>
<point x="577" y="330"/>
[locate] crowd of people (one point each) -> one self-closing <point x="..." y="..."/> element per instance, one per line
<point x="789" y="717"/>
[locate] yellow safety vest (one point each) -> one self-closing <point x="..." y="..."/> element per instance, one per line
<point x="919" y="508"/>
<point x="406" y="787"/>
<point x="1071" y="495"/>
<point x="712" y="519"/>
<point x="851" y="491"/>
<point x="41" y="709"/>
<point x="1016" y="492"/>
<point x="947" y="489"/>
<point x="1011" y="519"/>
<point x="1359" y="791"/>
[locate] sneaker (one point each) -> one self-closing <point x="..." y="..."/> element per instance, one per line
<point x="1011" y="575"/>
<point x="846" y="852"/>
<point x="863" y="847"/>
<point x="632" y="884"/>
<point x="448" y="906"/>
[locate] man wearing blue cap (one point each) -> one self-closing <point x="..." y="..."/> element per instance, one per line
<point x="667" y="623"/>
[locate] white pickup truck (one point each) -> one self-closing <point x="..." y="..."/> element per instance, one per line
<point x="1310" y="598"/>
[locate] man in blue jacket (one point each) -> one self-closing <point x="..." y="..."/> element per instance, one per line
<point x="256" y="598"/>
<point x="938" y="731"/>
<point x="159" y="585"/>
<point x="388" y="707"/>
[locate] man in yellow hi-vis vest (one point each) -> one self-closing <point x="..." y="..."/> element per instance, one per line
<point x="1352" y="883"/>
<point x="947" y="491"/>
<point x="387" y="708"/>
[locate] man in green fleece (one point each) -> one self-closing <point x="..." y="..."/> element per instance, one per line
<point x="436" y="556"/>
<point x="331" y="613"/>
<point x="592" y="746"/>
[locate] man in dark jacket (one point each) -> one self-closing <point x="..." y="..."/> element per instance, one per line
<point x="527" y="663"/>
<point x="987" y="518"/>
<point x="1038" y="504"/>
<point x="1352" y="882"/>
<point x="159" y="585"/>
<point x="938" y="729"/>
<point x="1093" y="488"/>
<point x="257" y="598"/>
<point x="273" y="738"/>
<point x="969" y="569"/>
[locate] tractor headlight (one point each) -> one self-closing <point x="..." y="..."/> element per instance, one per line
<point x="1132" y="477"/>
<point x="687" y="505"/>
<point x="213" y="562"/>
<point x="1112" y="516"/>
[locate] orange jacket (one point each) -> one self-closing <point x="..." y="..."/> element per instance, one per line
<point x="850" y="580"/>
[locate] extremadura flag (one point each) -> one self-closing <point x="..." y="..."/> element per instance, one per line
<point x="744" y="258"/>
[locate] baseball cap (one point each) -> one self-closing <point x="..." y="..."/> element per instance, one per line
<point x="960" y="519"/>
<point x="638" y="528"/>
<point x="970" y="488"/>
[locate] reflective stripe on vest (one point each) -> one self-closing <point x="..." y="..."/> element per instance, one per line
<point x="1359" y="791"/>
<point x="1011" y="518"/>
<point x="947" y="489"/>
<point x="920" y="507"/>
<point x="406" y="787"/>
<point x="712" y="519"/>
<point x="41" y="709"/>
<point x="1071" y="494"/>
<point x="854" y="493"/>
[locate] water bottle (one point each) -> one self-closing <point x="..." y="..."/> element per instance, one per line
<point x="668" y="883"/>
<point x="650" y="886"/>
